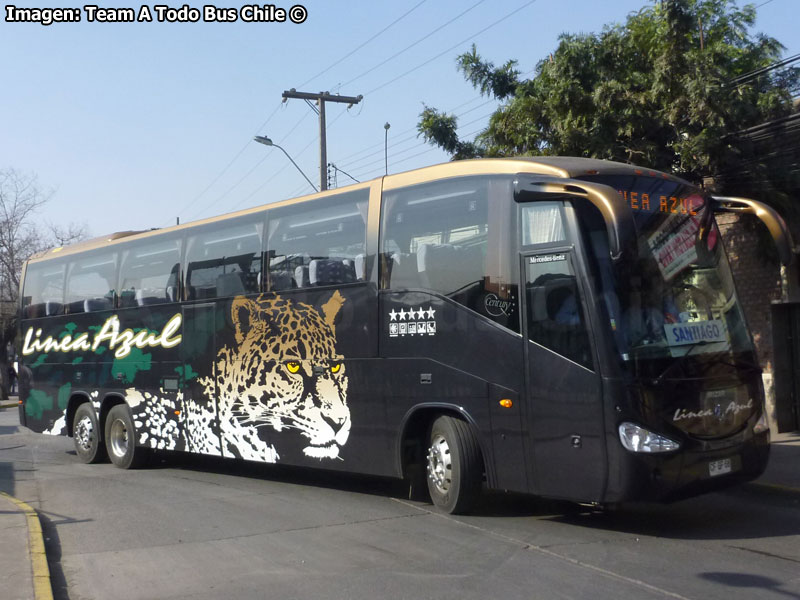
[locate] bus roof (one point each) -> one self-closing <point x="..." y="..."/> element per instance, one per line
<point x="565" y="167"/>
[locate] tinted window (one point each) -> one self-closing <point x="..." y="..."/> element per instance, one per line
<point x="318" y="243"/>
<point x="150" y="273"/>
<point x="43" y="293"/>
<point x="91" y="283"/>
<point x="454" y="238"/>
<point x="224" y="260"/>
<point x="555" y="311"/>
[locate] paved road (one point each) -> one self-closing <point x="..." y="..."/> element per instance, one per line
<point x="192" y="529"/>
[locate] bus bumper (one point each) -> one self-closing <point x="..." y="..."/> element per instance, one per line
<point x="668" y="478"/>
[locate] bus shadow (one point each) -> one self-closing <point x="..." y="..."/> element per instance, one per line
<point x="748" y="512"/>
<point x="321" y="478"/>
<point x="7" y="478"/>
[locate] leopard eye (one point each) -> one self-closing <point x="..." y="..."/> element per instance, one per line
<point x="336" y="368"/>
<point x="293" y="367"/>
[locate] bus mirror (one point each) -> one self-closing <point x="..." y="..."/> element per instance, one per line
<point x="616" y="213"/>
<point x="768" y="215"/>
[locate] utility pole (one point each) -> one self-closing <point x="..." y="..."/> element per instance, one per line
<point x="321" y="98"/>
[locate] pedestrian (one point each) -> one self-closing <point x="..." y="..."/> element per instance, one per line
<point x="12" y="379"/>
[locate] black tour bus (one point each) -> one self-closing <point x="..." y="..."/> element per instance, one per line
<point x="561" y="327"/>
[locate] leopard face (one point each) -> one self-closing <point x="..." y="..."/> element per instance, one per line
<point x="282" y="379"/>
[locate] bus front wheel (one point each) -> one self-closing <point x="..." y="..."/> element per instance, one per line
<point x="86" y="435"/>
<point x="454" y="466"/>
<point x="121" y="439"/>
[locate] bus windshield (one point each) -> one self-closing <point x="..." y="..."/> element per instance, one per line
<point x="678" y="296"/>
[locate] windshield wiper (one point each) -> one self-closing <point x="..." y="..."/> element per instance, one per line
<point x="741" y="364"/>
<point x="680" y="361"/>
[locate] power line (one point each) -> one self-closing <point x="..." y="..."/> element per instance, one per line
<point x="494" y="24"/>
<point x="246" y="175"/>
<point x="413" y="136"/>
<point x="761" y="71"/>
<point x="358" y="162"/>
<point x="422" y="39"/>
<point x="272" y="114"/>
<point x="356" y="49"/>
<point x="370" y="150"/>
<point x="281" y="169"/>
<point x="228" y="166"/>
<point x="454" y="46"/>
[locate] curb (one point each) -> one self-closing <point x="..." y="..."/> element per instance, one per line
<point x="42" y="588"/>
<point x="9" y="405"/>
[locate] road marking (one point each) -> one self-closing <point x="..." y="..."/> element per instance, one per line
<point x="528" y="546"/>
<point x="42" y="588"/>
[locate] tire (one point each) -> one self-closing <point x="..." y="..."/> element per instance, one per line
<point x="87" y="436"/>
<point x="454" y="466"/>
<point x="121" y="439"/>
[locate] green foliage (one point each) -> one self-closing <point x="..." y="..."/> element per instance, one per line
<point x="440" y="129"/>
<point x="659" y="90"/>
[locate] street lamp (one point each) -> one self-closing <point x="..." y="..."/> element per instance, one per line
<point x="261" y="139"/>
<point x="386" y="147"/>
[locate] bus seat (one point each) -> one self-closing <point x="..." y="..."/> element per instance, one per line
<point x="280" y="280"/>
<point x="404" y="273"/>
<point x="77" y="306"/>
<point x="548" y="298"/>
<point x="230" y="284"/>
<point x="53" y="308"/>
<point x="359" y="265"/>
<point x="96" y="304"/>
<point x="301" y="276"/>
<point x="34" y="311"/>
<point x="330" y="271"/>
<point x="147" y="297"/>
<point x="127" y="298"/>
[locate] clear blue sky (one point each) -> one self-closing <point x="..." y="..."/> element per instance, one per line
<point x="133" y="124"/>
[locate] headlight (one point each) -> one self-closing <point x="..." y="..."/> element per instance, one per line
<point x="639" y="439"/>
<point x="762" y="424"/>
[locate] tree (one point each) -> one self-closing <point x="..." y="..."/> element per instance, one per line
<point x="669" y="89"/>
<point x="20" y="237"/>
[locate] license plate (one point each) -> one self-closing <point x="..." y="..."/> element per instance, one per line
<point x="719" y="467"/>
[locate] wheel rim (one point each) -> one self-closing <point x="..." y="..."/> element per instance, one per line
<point x="118" y="437"/>
<point x="440" y="466"/>
<point x="84" y="433"/>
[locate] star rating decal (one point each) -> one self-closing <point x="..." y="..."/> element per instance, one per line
<point x="412" y="322"/>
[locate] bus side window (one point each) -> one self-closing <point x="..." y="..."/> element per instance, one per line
<point x="224" y="261"/>
<point x="150" y="273"/>
<point x="453" y="238"/>
<point x="91" y="283"/>
<point x="43" y="295"/>
<point x="320" y="243"/>
<point x="439" y="232"/>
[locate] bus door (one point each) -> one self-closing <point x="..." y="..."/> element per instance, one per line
<point x="564" y="390"/>
<point x="200" y="422"/>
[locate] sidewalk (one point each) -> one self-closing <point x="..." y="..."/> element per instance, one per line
<point x="24" y="574"/>
<point x="783" y="470"/>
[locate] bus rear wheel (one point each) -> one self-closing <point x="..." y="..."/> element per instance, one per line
<point x="86" y="434"/>
<point x="121" y="439"/>
<point x="454" y="467"/>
